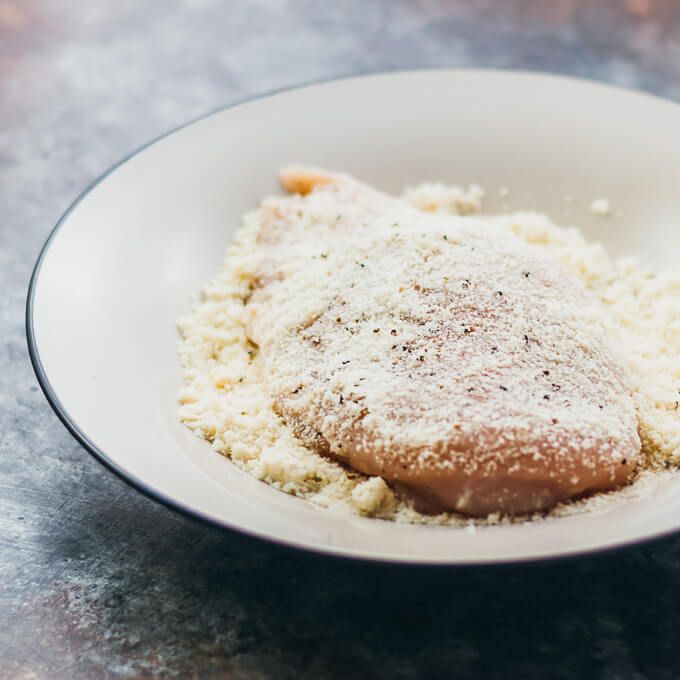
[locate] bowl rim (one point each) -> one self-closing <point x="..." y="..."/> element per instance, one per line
<point x="328" y="551"/>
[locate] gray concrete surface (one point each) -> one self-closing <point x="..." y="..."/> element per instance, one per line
<point x="97" y="581"/>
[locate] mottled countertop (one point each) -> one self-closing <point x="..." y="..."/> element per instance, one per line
<point x="97" y="581"/>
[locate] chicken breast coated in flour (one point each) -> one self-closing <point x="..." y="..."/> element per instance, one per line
<point x="464" y="366"/>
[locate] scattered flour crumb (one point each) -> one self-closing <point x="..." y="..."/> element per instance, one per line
<point x="445" y="200"/>
<point x="601" y="207"/>
<point x="370" y="495"/>
<point x="225" y="399"/>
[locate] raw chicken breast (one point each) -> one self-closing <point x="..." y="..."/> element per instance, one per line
<point x="465" y="367"/>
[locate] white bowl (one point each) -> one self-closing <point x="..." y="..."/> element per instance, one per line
<point x="128" y="258"/>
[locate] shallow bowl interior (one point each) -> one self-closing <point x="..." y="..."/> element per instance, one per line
<point x="131" y="255"/>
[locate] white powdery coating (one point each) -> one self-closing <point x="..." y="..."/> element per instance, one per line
<point x="227" y="402"/>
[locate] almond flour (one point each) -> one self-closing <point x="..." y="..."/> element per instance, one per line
<point x="226" y="401"/>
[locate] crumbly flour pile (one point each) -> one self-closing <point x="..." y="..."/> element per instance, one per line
<point x="226" y="400"/>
